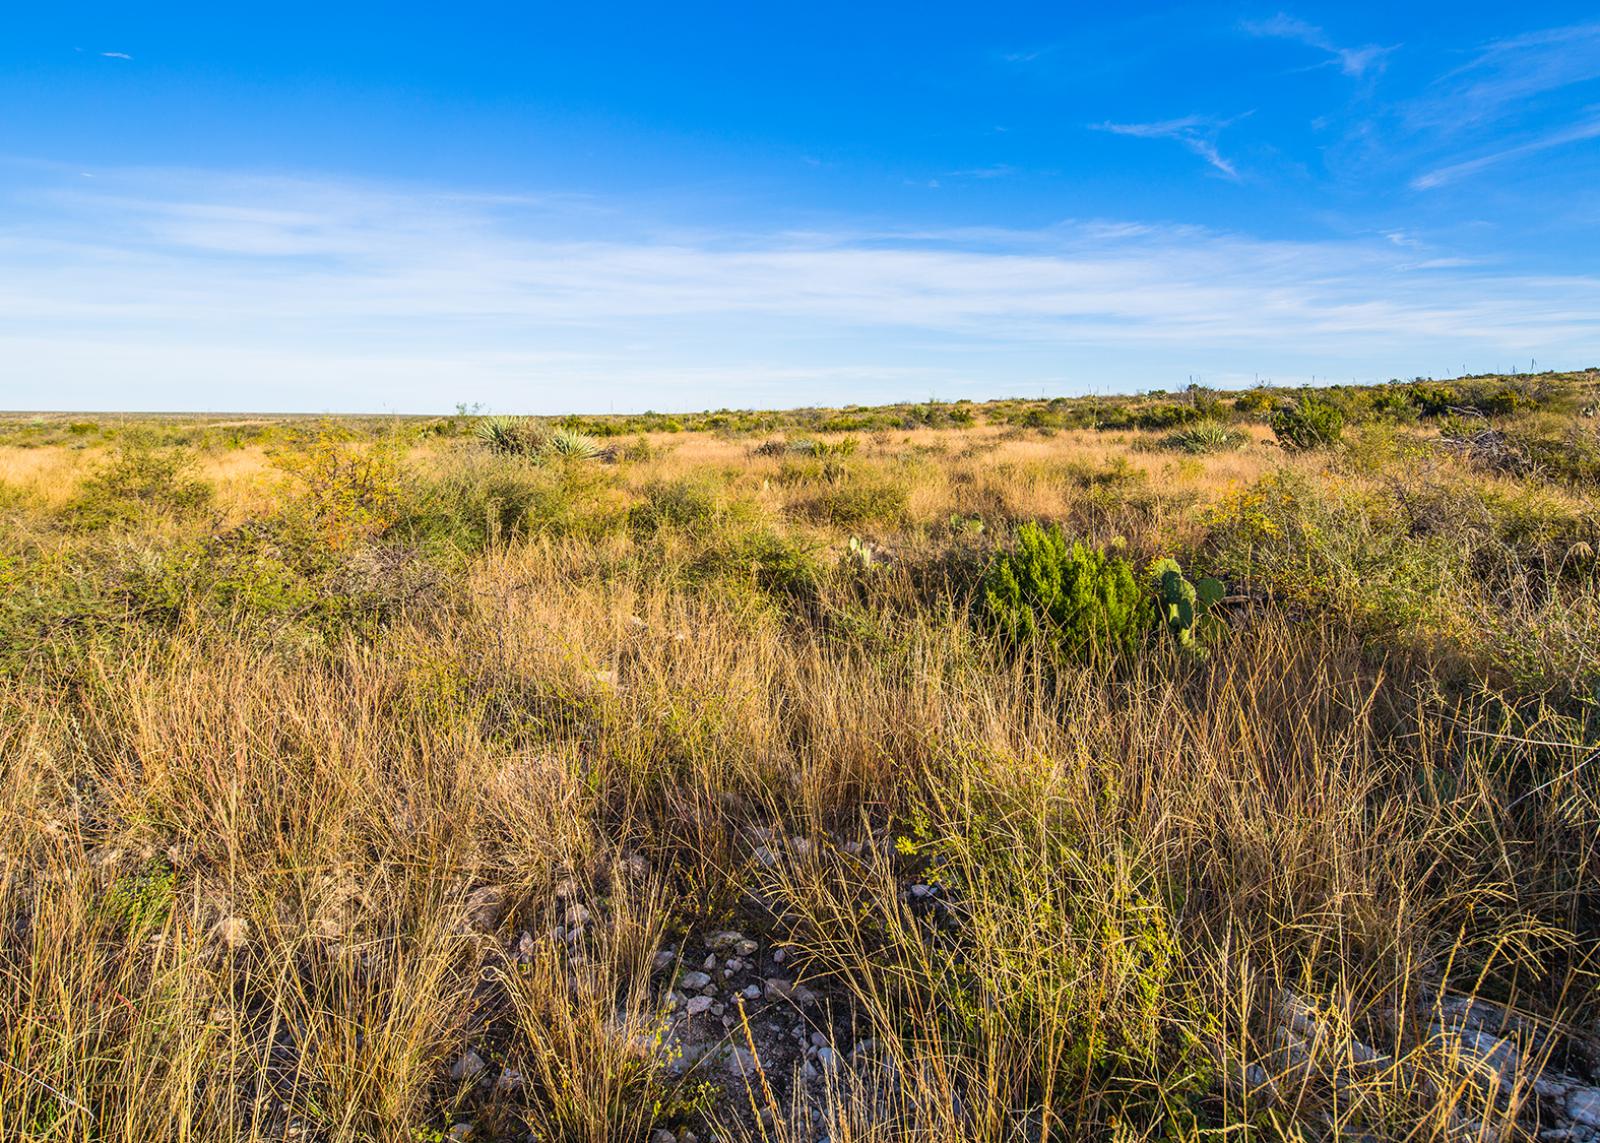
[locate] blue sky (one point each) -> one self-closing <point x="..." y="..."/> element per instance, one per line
<point x="545" y="207"/>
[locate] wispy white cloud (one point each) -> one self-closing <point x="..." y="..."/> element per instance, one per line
<point x="996" y="171"/>
<point x="188" y="289"/>
<point x="116" y="55"/>
<point x="1196" y="132"/>
<point x="1566" y="136"/>
<point x="1354" y="62"/>
<point x="1505" y="75"/>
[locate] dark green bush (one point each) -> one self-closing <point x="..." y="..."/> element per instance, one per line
<point x="1078" y="599"/>
<point x="1167" y="416"/>
<point x="1307" y="423"/>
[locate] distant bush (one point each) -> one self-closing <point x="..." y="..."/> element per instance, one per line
<point x="350" y="492"/>
<point x="1390" y="404"/>
<point x="137" y="481"/>
<point x="857" y="500"/>
<point x="1166" y="416"/>
<point x="762" y="559"/>
<point x="1079" y="600"/>
<point x="683" y="504"/>
<point x="806" y="446"/>
<point x="1253" y="402"/>
<point x="1307" y="423"/>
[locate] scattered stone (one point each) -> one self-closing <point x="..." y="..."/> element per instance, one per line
<point x="694" y="981"/>
<point x="740" y="1062"/>
<point x="484" y="908"/>
<point x="752" y="992"/>
<point x="664" y="960"/>
<point x="509" y="1082"/>
<point x="526" y="946"/>
<point x="577" y="915"/>
<point x="233" y="931"/>
<point x="662" y="1135"/>
<point x="779" y="989"/>
<point x="1583" y="1106"/>
<point x="469" y="1067"/>
<point x="698" y="1004"/>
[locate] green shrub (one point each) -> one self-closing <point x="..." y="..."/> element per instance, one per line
<point x="139" y="480"/>
<point x="764" y="559"/>
<point x="1253" y="402"/>
<point x="1078" y="599"/>
<point x="681" y="504"/>
<point x="1433" y="400"/>
<point x="1167" y="416"/>
<point x="1308" y="423"/>
<point x="349" y="492"/>
<point x="854" y="500"/>
<point x="140" y="900"/>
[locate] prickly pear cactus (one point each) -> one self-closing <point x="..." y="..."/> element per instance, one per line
<point x="1183" y="604"/>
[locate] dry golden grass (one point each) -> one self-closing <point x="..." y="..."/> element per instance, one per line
<point x="264" y="879"/>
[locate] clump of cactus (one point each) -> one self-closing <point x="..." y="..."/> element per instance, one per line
<point x="1184" y="606"/>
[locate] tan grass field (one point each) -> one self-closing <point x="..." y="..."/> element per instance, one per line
<point x="359" y="782"/>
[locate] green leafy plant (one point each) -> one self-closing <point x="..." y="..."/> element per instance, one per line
<point x="1079" y="599"/>
<point x="1184" y="606"/>
<point x="138" y="481"/>
<point x="1307" y="423"/>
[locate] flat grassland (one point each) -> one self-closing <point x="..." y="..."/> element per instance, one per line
<point x="772" y="776"/>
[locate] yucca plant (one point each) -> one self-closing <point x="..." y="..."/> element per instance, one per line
<point x="508" y="436"/>
<point x="1207" y="436"/>
<point x="574" y="445"/>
